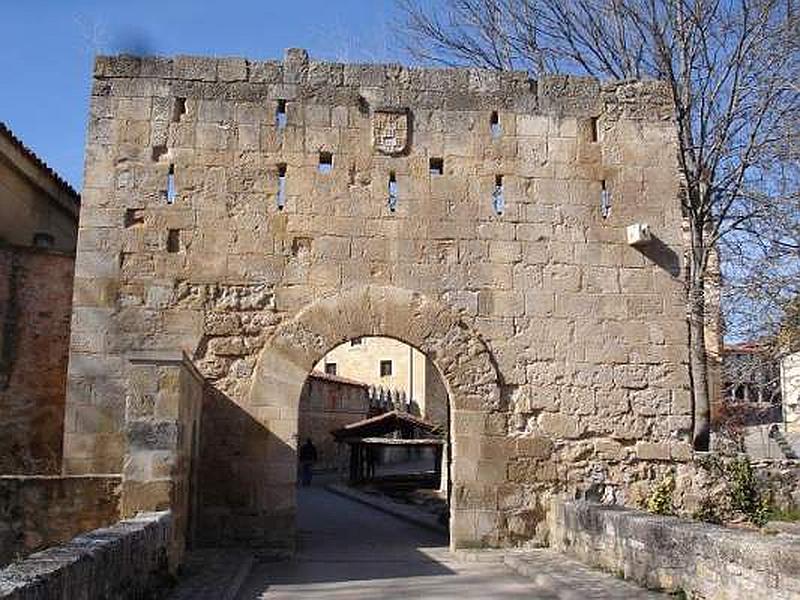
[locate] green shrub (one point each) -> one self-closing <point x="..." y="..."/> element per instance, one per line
<point x="745" y="492"/>
<point x="792" y="515"/>
<point x="660" y="501"/>
<point x="709" y="511"/>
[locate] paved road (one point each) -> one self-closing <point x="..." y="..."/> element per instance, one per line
<point x="349" y="551"/>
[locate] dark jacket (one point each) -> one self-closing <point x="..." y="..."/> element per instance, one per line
<point x="308" y="453"/>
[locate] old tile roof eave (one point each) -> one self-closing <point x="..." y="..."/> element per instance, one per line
<point x="17" y="153"/>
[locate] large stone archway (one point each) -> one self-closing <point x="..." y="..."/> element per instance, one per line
<point x="461" y="357"/>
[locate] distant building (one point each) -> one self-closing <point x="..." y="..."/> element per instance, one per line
<point x="38" y="236"/>
<point x="327" y="403"/>
<point x="37" y="207"/>
<point x="391" y="366"/>
<point x="751" y="383"/>
<point x="790" y="391"/>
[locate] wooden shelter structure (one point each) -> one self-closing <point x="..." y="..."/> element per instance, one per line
<point x="390" y="429"/>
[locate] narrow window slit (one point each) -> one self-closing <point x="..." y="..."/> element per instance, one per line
<point x="173" y="240"/>
<point x="605" y="200"/>
<point x="280" y="115"/>
<point x="281" y="186"/>
<point x="392" y="192"/>
<point x="436" y="166"/>
<point x="171" y="193"/>
<point x="594" y="133"/>
<point x="498" y="199"/>
<point x="178" y="109"/>
<point x="325" y="162"/>
<point x="494" y="124"/>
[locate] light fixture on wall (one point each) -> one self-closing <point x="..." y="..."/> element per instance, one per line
<point x="638" y="234"/>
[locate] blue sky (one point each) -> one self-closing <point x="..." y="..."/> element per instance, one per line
<point x="46" y="49"/>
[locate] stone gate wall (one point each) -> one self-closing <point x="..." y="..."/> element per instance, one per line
<point x="223" y="197"/>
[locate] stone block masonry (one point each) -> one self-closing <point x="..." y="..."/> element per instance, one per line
<point x="258" y="214"/>
<point x="163" y="407"/>
<point x="127" y="561"/>
<point x="702" y="560"/>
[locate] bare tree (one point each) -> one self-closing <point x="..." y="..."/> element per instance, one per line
<point x="732" y="67"/>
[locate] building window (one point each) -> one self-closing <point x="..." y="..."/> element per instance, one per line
<point x="330" y="368"/>
<point x="386" y="368"/>
<point x="43" y="240"/>
<point x="356" y="341"/>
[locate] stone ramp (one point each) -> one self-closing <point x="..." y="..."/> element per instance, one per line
<point x="213" y="574"/>
<point x="562" y="578"/>
<point x="771" y="442"/>
<point x="406" y="512"/>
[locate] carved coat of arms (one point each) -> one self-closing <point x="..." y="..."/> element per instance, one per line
<point x="390" y="128"/>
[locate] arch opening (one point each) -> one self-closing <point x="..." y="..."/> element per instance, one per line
<point x="374" y="418"/>
<point x="258" y="504"/>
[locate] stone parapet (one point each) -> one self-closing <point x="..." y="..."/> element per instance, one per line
<point x="127" y="560"/>
<point x="391" y="85"/>
<point x="702" y="560"/>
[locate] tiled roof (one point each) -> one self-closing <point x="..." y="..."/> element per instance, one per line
<point x="744" y="348"/>
<point x="32" y="156"/>
<point x="384" y="423"/>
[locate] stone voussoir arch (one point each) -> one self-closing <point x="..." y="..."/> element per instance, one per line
<point x="457" y="351"/>
<point x="462" y="358"/>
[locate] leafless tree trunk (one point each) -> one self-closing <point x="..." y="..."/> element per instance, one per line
<point x="732" y="66"/>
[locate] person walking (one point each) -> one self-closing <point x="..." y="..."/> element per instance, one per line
<point x="307" y="456"/>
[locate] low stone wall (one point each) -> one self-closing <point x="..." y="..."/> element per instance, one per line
<point x="40" y="511"/>
<point x="704" y="561"/>
<point x="126" y="560"/>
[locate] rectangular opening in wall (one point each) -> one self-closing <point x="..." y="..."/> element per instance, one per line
<point x="436" y="166"/>
<point x="133" y="217"/>
<point x="330" y="368"/>
<point x="392" y="191"/>
<point x="171" y="193"/>
<point x="280" y="114"/>
<point x="498" y="197"/>
<point x="386" y="368"/>
<point x="43" y="240"/>
<point x="594" y="133"/>
<point x="325" y="162"/>
<point x="281" y="200"/>
<point x="159" y="151"/>
<point x="605" y="200"/>
<point x="494" y="124"/>
<point x="173" y="240"/>
<point x="178" y="109"/>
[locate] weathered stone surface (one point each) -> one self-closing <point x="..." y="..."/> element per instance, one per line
<point x="281" y="243"/>
<point x="130" y="559"/>
<point x="698" y="559"/>
<point x="35" y="300"/>
<point x="38" y="511"/>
